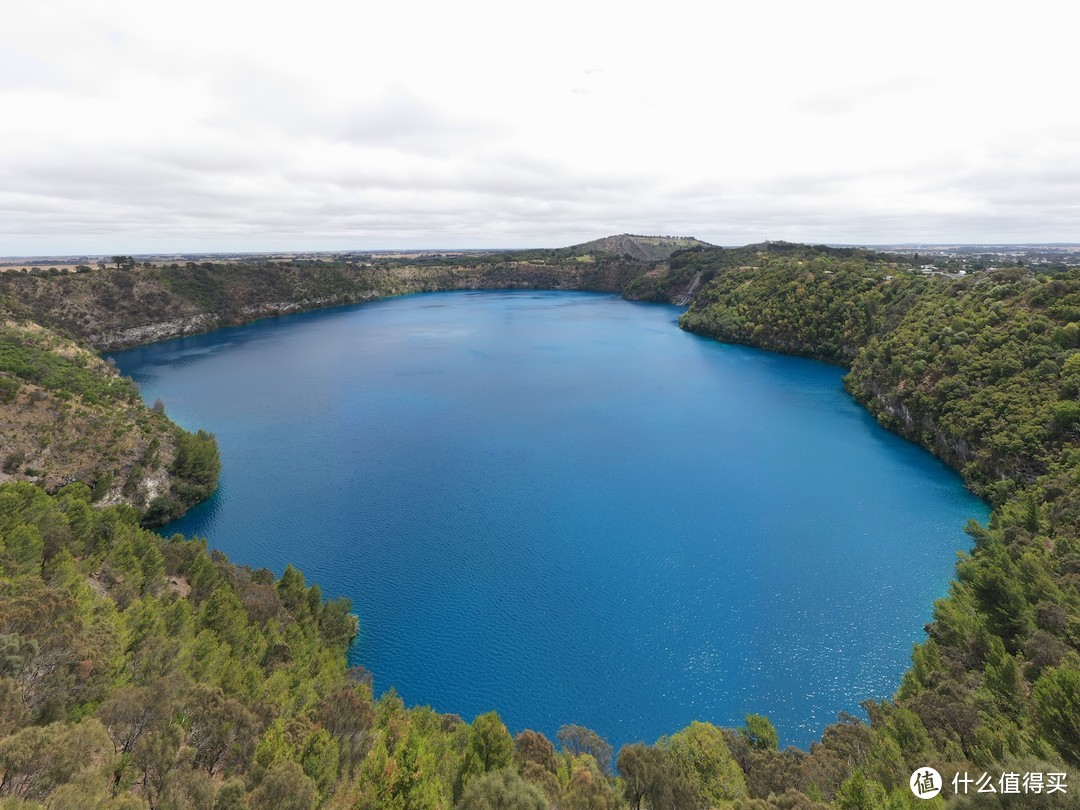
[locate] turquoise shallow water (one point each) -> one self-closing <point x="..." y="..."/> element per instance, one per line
<point x="562" y="507"/>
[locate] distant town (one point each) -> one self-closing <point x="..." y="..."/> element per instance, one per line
<point x="985" y="257"/>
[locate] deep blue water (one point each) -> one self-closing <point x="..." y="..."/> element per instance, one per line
<point x="562" y="507"/>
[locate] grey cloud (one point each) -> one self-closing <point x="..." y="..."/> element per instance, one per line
<point x="217" y="158"/>
<point x="408" y="123"/>
<point x="496" y="174"/>
<point x="255" y="96"/>
<point x="1048" y="180"/>
<point x="849" y="98"/>
<point x="25" y="70"/>
<point x="210" y="193"/>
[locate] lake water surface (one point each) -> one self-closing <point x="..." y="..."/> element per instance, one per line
<point x="562" y="507"/>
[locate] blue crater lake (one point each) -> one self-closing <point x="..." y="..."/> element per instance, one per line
<point x="562" y="507"/>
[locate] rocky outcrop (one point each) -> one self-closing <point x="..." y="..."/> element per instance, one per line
<point x="152" y="332"/>
<point x="895" y="415"/>
<point x="158" y="331"/>
<point x="67" y="417"/>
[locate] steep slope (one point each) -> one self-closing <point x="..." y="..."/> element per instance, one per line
<point x="67" y="416"/>
<point x="983" y="370"/>
<point x="115" y="308"/>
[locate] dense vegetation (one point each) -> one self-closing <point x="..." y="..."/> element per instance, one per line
<point x="137" y="672"/>
<point x="66" y="416"/>
<point x="983" y="370"/>
<point x="824" y="303"/>
<point x="123" y="306"/>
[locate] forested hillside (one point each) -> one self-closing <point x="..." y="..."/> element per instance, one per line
<point x="131" y="304"/>
<point x="136" y="672"/>
<point x="983" y="370"/>
<point x="67" y="416"/>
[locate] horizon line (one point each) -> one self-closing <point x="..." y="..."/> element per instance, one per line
<point x="400" y="250"/>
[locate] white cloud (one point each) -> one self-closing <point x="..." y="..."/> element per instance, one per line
<point x="137" y="127"/>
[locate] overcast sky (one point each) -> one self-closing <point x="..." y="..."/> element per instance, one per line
<point x="203" y="126"/>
